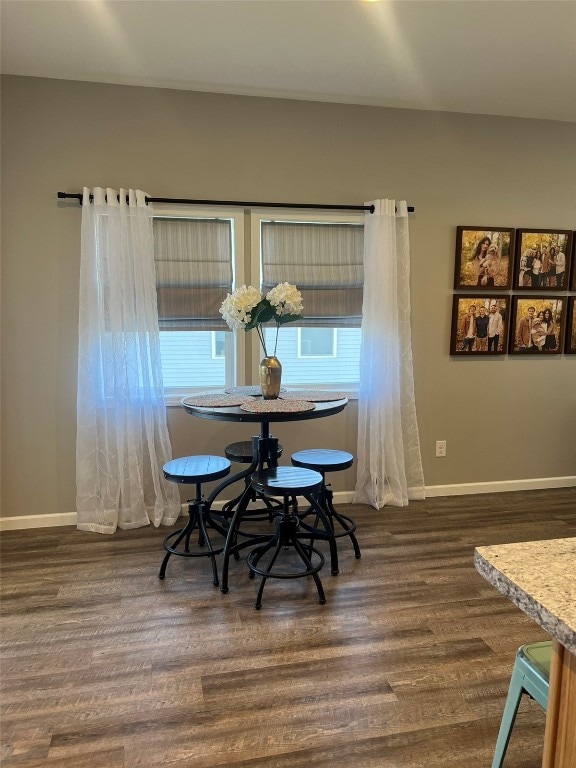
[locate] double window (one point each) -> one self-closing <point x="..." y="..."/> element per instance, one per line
<point x="203" y="255"/>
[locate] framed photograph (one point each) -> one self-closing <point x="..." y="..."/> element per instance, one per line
<point x="542" y="259"/>
<point x="484" y="258"/>
<point x="571" y="327"/>
<point x="479" y="325"/>
<point x="537" y="325"/>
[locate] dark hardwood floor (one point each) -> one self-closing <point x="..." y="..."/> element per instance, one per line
<point x="405" y="666"/>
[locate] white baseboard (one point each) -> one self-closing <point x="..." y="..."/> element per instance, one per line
<point x="37" y="521"/>
<point x="528" y="484"/>
<point x="340" y="497"/>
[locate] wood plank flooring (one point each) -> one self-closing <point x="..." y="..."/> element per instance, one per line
<point x="406" y="665"/>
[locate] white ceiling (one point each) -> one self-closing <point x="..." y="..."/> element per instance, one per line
<point x="500" y="57"/>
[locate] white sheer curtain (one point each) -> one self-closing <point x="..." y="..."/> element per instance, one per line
<point x="389" y="466"/>
<point x="122" y="437"/>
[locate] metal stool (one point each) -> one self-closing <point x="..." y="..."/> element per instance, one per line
<point x="288" y="482"/>
<point x="324" y="460"/>
<point x="531" y="675"/>
<point x="195" y="470"/>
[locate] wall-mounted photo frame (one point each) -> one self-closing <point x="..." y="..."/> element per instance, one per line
<point x="571" y="327"/>
<point x="479" y="325"/>
<point x="542" y="259"/>
<point x="484" y="258"/>
<point x="537" y="325"/>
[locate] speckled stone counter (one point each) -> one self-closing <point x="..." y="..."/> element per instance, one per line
<point x="540" y="578"/>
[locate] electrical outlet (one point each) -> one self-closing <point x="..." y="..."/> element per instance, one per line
<point x="440" y="448"/>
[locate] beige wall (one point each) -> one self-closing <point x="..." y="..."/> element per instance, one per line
<point x="504" y="418"/>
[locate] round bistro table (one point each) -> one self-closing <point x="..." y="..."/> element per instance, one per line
<point x="264" y="453"/>
<point x="235" y="413"/>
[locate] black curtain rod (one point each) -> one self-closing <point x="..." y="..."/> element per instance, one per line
<point x="242" y="204"/>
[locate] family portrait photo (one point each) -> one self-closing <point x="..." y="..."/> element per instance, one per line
<point x="537" y="325"/>
<point x="542" y="259"/>
<point x="479" y="325"/>
<point x="571" y="327"/>
<point x="484" y="257"/>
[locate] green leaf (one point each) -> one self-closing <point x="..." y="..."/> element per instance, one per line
<point x="262" y="313"/>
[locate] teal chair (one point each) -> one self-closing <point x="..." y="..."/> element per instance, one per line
<point x="531" y="675"/>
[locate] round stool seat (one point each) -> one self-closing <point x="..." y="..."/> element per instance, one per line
<point x="281" y="481"/>
<point x="196" y="469"/>
<point x="241" y="452"/>
<point x="322" y="459"/>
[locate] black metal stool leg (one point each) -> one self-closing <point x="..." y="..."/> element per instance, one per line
<point x="206" y="542"/>
<point x="192" y="511"/>
<point x="348" y="525"/>
<point x="231" y="545"/>
<point x="327" y="534"/>
<point x="258" y="603"/>
<point x="308" y="563"/>
<point x="184" y="533"/>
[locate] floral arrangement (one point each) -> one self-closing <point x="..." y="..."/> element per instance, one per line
<point x="247" y="308"/>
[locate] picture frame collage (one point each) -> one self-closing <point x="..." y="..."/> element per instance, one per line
<point x="519" y="292"/>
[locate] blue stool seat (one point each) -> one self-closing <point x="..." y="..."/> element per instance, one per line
<point x="531" y="675"/>
<point x="195" y="470"/>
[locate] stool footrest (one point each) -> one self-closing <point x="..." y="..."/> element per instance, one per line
<point x="186" y="553"/>
<point x="258" y="552"/>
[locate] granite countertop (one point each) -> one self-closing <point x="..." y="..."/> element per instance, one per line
<point x="540" y="578"/>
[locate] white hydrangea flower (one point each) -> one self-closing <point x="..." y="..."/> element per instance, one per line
<point x="237" y="307"/>
<point x="282" y="304"/>
<point x="286" y="299"/>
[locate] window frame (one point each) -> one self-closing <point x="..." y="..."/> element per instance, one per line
<point x="349" y="389"/>
<point x="234" y="348"/>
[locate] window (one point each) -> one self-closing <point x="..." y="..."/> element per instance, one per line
<point x="323" y="256"/>
<point x="199" y="257"/>
<point x="317" y="342"/>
